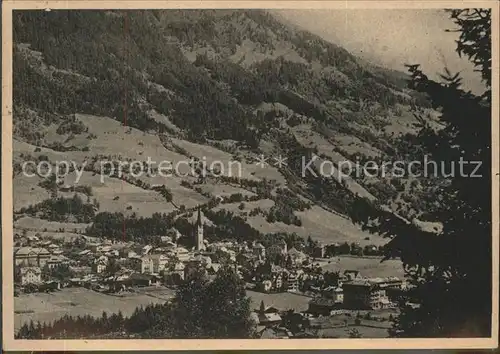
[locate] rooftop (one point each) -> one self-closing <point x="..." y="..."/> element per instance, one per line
<point x="274" y="333"/>
<point x="321" y="301"/>
<point x="24" y="251"/>
<point x="294" y="252"/>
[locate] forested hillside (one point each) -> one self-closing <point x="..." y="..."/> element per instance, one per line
<point x="239" y="81"/>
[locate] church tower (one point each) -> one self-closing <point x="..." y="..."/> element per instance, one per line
<point x="198" y="237"/>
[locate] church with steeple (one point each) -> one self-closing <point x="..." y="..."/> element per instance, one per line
<point x="198" y="233"/>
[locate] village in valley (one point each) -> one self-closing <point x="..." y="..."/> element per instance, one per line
<point x="339" y="302"/>
<point x="232" y="174"/>
<point x="268" y="133"/>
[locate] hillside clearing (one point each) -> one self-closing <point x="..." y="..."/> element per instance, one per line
<point x="368" y="266"/>
<point x="264" y="204"/>
<point x="26" y="191"/>
<point x="47" y="307"/>
<point x="282" y="301"/>
<point x="230" y="166"/>
<point x="223" y="190"/>
<point x="30" y="223"/>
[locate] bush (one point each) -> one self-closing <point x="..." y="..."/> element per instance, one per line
<point x="71" y="125"/>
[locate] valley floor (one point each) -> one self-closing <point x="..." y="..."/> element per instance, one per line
<point x="47" y="307"/>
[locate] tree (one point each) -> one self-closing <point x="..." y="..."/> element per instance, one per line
<point x="344" y="248"/>
<point x="450" y="273"/>
<point x="113" y="267"/>
<point x="331" y="278"/>
<point x="104" y="321"/>
<point x="294" y="321"/>
<point x="217" y="309"/>
<point x="354" y="333"/>
<point x="228" y="307"/>
<point x="23" y="332"/>
<point x="60" y="272"/>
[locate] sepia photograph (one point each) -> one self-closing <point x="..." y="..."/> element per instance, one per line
<point x="323" y="175"/>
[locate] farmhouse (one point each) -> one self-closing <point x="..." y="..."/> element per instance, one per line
<point x="368" y="293"/>
<point x="182" y="254"/>
<point x="275" y="333"/>
<point x="322" y="306"/>
<point x="99" y="265"/>
<point x="56" y="261"/>
<point x="292" y="280"/>
<point x="163" y="240"/>
<point x="141" y="280"/>
<point x="296" y="257"/>
<point x="213" y="268"/>
<point x="195" y="264"/>
<point x="50" y="286"/>
<point x="146" y="265"/>
<point x="279" y="249"/>
<point x="268" y="315"/>
<point x="259" y="251"/>
<point x="335" y="293"/>
<point x="318" y="251"/>
<point x="53" y="247"/>
<point x="31" y="257"/>
<point x="174" y="275"/>
<point x="30" y="275"/>
<point x="153" y="263"/>
<point x="350" y="275"/>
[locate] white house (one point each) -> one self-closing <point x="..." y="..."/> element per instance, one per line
<point x="30" y="275"/>
<point x="100" y="264"/>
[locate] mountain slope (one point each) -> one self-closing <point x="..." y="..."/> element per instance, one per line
<point x="240" y="82"/>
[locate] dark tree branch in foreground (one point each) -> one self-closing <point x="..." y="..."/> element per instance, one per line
<point x="451" y="271"/>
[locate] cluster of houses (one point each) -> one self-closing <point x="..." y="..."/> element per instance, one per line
<point x="350" y="291"/>
<point x="115" y="266"/>
<point x="30" y="260"/>
<point x="354" y="292"/>
<point x="352" y="296"/>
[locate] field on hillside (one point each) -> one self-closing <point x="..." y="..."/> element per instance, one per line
<point x="116" y="195"/>
<point x="114" y="138"/>
<point x="27" y="192"/>
<point x="264" y="204"/>
<point x="20" y="147"/>
<point x="45" y="307"/>
<point x="317" y="222"/>
<point x="110" y="138"/>
<point x="248" y="53"/>
<point x="309" y="138"/>
<point x="282" y="301"/>
<point x="403" y="124"/>
<point x="27" y="222"/>
<point x="230" y="166"/>
<point x="351" y="145"/>
<point x="65" y="236"/>
<point x="180" y="194"/>
<point x="368" y="267"/>
<point x="327" y="169"/>
<point x="223" y="190"/>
